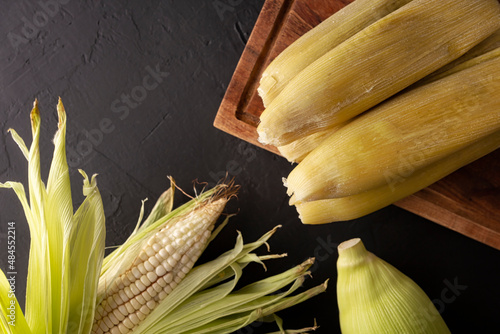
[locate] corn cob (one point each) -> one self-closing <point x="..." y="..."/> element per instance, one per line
<point x="435" y="32"/>
<point x="316" y="42"/>
<point x="410" y="131"/>
<point x="400" y="186"/>
<point x="162" y="264"/>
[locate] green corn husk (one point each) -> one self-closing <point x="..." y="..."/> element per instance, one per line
<point x="376" y="63"/>
<point x="316" y="42"/>
<point x="63" y="270"/>
<point x="374" y="297"/>
<point x="411" y="130"/>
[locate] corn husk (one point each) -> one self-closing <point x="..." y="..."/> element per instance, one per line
<point x="414" y="130"/>
<point x="376" y="63"/>
<point x="63" y="270"/>
<point x="374" y="297"/>
<point x="316" y="42"/>
<point x="397" y="187"/>
<point x="296" y="151"/>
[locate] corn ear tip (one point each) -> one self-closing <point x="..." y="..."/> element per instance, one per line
<point x="88" y="185"/>
<point x="226" y="188"/>
<point x="308" y="263"/>
<point x="350" y="243"/>
<point x="35" y="112"/>
<point x="82" y="172"/>
<point x="61" y="113"/>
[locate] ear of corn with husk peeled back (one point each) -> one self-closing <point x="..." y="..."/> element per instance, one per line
<point x="149" y="284"/>
<point x="375" y="297"/>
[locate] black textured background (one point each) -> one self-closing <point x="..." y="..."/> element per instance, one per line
<point x="94" y="53"/>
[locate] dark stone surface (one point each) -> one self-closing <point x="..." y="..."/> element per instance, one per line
<point x="96" y="54"/>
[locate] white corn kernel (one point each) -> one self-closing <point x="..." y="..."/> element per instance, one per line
<point x="161" y="281"/>
<point x="159" y="257"/>
<point x="123" y="296"/>
<point x="160" y="270"/>
<point x="114" y="330"/>
<point x="135" y="320"/>
<point x="129" y="307"/>
<point x="140" y="286"/>
<point x="164" y="254"/>
<point x="152" y="277"/>
<point x="168" y="277"/>
<point x="134" y="289"/>
<point x="151" y="291"/>
<point x="168" y="289"/>
<point x="137" y="274"/>
<point x="111" y="303"/>
<point x="103" y="326"/>
<point x="149" y="267"/>
<point x="170" y="249"/>
<point x="129" y="278"/>
<point x="151" y="304"/>
<point x="118" y="299"/>
<point x="145" y="280"/>
<point x="123" y="329"/>
<point x="113" y="319"/>
<point x="118" y="314"/>
<point x="162" y="295"/>
<point x="140" y="315"/>
<point x="144" y="256"/>
<point x="154" y="261"/>
<point x="107" y="308"/>
<point x="144" y="309"/>
<point x="157" y="287"/>
<point x="129" y="292"/>
<point x="140" y="299"/>
<point x="142" y="269"/>
<point x="147" y="296"/>
<point x="123" y="310"/>
<point x="177" y="256"/>
<point x="156" y="247"/>
<point x="149" y="251"/>
<point x="129" y="324"/>
<point x="135" y="304"/>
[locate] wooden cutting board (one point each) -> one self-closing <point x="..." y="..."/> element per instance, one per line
<point x="467" y="201"/>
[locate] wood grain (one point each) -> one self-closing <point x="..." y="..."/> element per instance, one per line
<point x="467" y="201"/>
